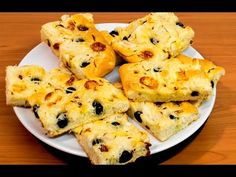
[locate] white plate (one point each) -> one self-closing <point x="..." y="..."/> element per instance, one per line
<point x="41" y="55"/>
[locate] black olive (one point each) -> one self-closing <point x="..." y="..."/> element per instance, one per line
<point x="177" y="103"/>
<point x="154" y="41"/>
<point x="115" y="123"/>
<point x="212" y="84"/>
<point x="96" y="141"/>
<point x="62" y="120"/>
<point x="137" y="116"/>
<point x="158" y="103"/>
<point x="125" y="156"/>
<point x="60" y="25"/>
<point x="126" y="38"/>
<point x="98" y="107"/>
<point x="157" y="69"/>
<point x="35" y="110"/>
<point x="35" y="79"/>
<point x="195" y="93"/>
<point x="82" y="28"/>
<point x="20" y="77"/>
<point x="70" y="89"/>
<point x="114" y="33"/>
<point x="84" y="64"/>
<point x="79" y="40"/>
<point x="49" y="43"/>
<point x="172" y="116"/>
<point x="180" y="24"/>
<point x="144" y="22"/>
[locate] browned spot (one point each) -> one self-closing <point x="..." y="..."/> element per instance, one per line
<point x="91" y="84"/>
<point x="48" y="95"/>
<point x="80" y="132"/>
<point x="182" y="75"/>
<point x="146" y="54"/>
<point x="118" y="85"/>
<point x="147" y="144"/>
<point x="87" y="130"/>
<point x="70" y="81"/>
<point x="179" y="111"/>
<point x="82" y="28"/>
<point x="147" y="127"/>
<point x="71" y="25"/>
<point x="56" y="46"/>
<point x="103" y="148"/>
<point x="147" y="147"/>
<point x="98" y="47"/>
<point x="54" y="102"/>
<point x="149" y="82"/>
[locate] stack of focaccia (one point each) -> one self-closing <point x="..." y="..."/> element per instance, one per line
<point x="160" y="87"/>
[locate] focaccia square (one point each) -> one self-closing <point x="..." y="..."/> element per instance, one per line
<point x="22" y="82"/>
<point x="156" y="36"/>
<point x="176" y="79"/>
<point x="62" y="109"/>
<point x="163" y="120"/>
<point x="113" y="140"/>
<point x="79" y="45"/>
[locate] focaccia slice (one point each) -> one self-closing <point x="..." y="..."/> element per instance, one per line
<point x="60" y="110"/>
<point x="79" y="45"/>
<point x="175" y="79"/>
<point x="163" y="120"/>
<point x="156" y="36"/>
<point x="113" y="140"/>
<point x="21" y="82"/>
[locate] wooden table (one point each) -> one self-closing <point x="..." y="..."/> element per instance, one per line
<point x="215" y="39"/>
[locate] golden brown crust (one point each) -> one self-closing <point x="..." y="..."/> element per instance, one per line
<point x="84" y="101"/>
<point x="79" y="45"/>
<point x="163" y="120"/>
<point x="155" y="36"/>
<point x="112" y="140"/>
<point x="59" y="100"/>
<point x="21" y="82"/>
<point x="175" y="79"/>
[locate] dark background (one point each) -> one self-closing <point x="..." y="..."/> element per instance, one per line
<point x="117" y="5"/>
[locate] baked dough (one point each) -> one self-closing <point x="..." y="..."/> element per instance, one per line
<point x="156" y="36"/>
<point x="79" y="45"/>
<point x="62" y="109"/>
<point x="176" y="79"/>
<point x="163" y="120"/>
<point x="113" y="140"/>
<point x="21" y="82"/>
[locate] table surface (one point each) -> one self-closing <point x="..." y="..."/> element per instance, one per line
<point x="214" y="143"/>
